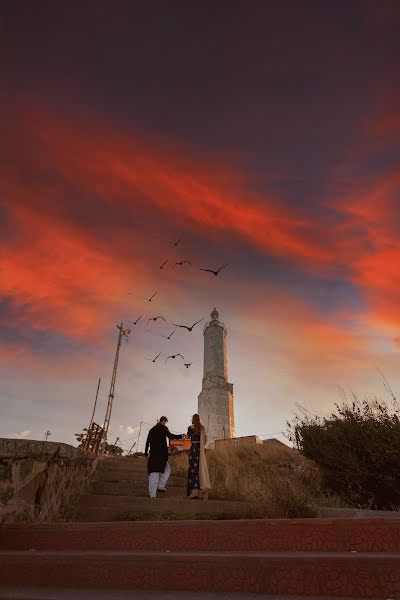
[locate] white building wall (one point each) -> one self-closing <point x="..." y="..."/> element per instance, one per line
<point x="215" y="402"/>
<point x="215" y="360"/>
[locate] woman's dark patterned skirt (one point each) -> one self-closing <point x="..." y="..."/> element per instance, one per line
<point x="193" y="473"/>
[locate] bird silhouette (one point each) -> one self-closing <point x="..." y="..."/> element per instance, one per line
<point x="214" y="272"/>
<point x="187" y="365"/>
<point x="154" y="319"/>
<point x="137" y="320"/>
<point x="186" y="327"/>
<point x="151" y="297"/>
<point x="177" y="242"/>
<point x="182" y="262"/>
<point x="154" y="359"/>
<point x="168" y="337"/>
<point x="174" y="356"/>
<point x="164" y="263"/>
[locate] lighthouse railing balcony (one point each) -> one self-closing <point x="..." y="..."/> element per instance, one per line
<point x="214" y="323"/>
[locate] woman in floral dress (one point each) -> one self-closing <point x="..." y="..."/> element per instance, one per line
<point x="198" y="478"/>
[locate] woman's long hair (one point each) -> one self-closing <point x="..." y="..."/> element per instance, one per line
<point x="197" y="424"/>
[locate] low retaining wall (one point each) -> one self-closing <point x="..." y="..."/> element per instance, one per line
<point x="39" y="479"/>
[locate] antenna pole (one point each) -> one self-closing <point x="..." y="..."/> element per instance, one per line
<point x="89" y="431"/>
<point x="138" y="437"/>
<point x="131" y="448"/>
<point x="95" y="403"/>
<point x="112" y="389"/>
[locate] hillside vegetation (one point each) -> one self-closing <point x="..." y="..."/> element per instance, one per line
<point x="357" y="450"/>
<point x="276" y="481"/>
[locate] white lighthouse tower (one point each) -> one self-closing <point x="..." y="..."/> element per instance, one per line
<point x="216" y="397"/>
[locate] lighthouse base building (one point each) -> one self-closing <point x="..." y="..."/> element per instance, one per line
<point x="215" y="401"/>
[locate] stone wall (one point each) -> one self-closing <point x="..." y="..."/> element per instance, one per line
<point x="39" y="479"/>
<point x="215" y="405"/>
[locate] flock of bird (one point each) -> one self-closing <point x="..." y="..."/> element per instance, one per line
<point x="189" y="328"/>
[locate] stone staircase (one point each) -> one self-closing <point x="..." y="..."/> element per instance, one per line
<point x="286" y="558"/>
<point x="120" y="492"/>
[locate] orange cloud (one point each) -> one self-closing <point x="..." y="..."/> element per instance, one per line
<point x="68" y="276"/>
<point x="76" y="277"/>
<point x="125" y="170"/>
<point x="375" y="251"/>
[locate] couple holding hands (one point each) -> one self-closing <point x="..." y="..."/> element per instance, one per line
<point x="158" y="468"/>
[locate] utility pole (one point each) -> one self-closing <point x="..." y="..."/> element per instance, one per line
<point x="46" y="435"/>
<point x="131" y="448"/>
<point x="89" y="431"/>
<point x="107" y="418"/>
<point x="138" y="437"/>
<point x="95" y="402"/>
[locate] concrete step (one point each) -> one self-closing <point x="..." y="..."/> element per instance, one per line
<point x="111" y="466"/>
<point x="129" y="489"/>
<point x="112" y="594"/>
<point x="118" y="476"/>
<point x="355" y="513"/>
<point x="115" y="476"/>
<point x="325" y="574"/>
<point x="123" y="460"/>
<point x="306" y="535"/>
<point x="110" y="508"/>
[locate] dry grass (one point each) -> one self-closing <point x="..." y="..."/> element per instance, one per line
<point x="179" y="464"/>
<point x="276" y="481"/>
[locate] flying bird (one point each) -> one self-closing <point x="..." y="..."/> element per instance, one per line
<point x="187" y="365"/>
<point x="164" y="263"/>
<point x="153" y="359"/>
<point x="214" y="272"/>
<point x="186" y="327"/>
<point x="154" y="319"/>
<point x="151" y="297"/>
<point x="177" y="242"/>
<point x="137" y="320"/>
<point x="182" y="262"/>
<point x="174" y="356"/>
<point x="168" y="337"/>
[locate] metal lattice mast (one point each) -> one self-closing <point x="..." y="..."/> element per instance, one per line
<point x="112" y="386"/>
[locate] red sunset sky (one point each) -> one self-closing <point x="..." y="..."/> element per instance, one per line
<point x="267" y="136"/>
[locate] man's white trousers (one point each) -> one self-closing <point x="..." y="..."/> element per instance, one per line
<point x="158" y="481"/>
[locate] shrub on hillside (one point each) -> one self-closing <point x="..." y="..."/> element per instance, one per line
<point x="357" y="449"/>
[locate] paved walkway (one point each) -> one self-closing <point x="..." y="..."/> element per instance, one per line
<point x="62" y="594"/>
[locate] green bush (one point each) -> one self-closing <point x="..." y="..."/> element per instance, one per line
<point x="357" y="450"/>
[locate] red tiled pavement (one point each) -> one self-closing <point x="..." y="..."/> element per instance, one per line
<point x="366" y="575"/>
<point x="51" y="593"/>
<point x="319" y="535"/>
